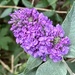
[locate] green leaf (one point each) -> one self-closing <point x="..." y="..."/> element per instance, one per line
<point x="1" y="68"/>
<point x="6" y="12"/>
<point x="51" y="2"/>
<point x="32" y="72"/>
<point x="27" y="3"/>
<point x="71" y="1"/>
<point x="42" y="3"/>
<point x="21" y="73"/>
<point x="15" y="48"/>
<point x="16" y="2"/>
<point x="72" y="66"/>
<point x="48" y="13"/>
<point x="69" y="28"/>
<point x="4" y="42"/>
<point x="54" y="6"/>
<point x="4" y="2"/>
<point x="51" y="68"/>
<point x="69" y="25"/>
<point x="58" y="18"/>
<point x="7" y="39"/>
<point x="3" y="31"/>
<point x="67" y="2"/>
<point x="33" y="63"/>
<point x="71" y="53"/>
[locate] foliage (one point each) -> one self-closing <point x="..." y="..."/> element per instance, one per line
<point x="69" y="24"/>
<point x="51" y="68"/>
<point x="35" y="66"/>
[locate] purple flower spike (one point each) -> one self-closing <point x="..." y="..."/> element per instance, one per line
<point x="37" y="35"/>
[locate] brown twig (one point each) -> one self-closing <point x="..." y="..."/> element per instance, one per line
<point x="41" y="9"/>
<point x="5" y="66"/>
<point x="18" y="55"/>
<point x="16" y="67"/>
<point x="12" y="63"/>
<point x="10" y="7"/>
<point x="33" y="2"/>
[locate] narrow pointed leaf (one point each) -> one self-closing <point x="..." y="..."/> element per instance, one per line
<point x="33" y="62"/>
<point x="6" y="13"/>
<point x="69" y="24"/>
<point x="27" y="3"/>
<point x="69" y="28"/>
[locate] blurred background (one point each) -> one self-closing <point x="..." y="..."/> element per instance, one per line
<point x="12" y="56"/>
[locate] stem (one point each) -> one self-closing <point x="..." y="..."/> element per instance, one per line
<point x="10" y="7"/>
<point x="32" y="2"/>
<point x="5" y="66"/>
<point x="15" y="67"/>
<point x="41" y="9"/>
<point x="12" y="63"/>
<point x="67" y="67"/>
<point x="18" y="55"/>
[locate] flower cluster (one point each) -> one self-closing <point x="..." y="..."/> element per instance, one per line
<point x="37" y="36"/>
